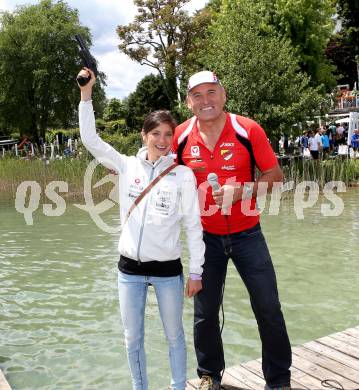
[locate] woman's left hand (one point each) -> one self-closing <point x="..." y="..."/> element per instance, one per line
<point x="193" y="287"/>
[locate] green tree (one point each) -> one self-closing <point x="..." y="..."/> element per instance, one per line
<point x="162" y="37"/>
<point x="308" y="25"/>
<point x="39" y="61"/>
<point x="343" y="48"/>
<point x="348" y="11"/>
<point x="260" y="71"/>
<point x="114" y="110"/>
<point x="341" y="53"/>
<point x="149" y="95"/>
<point x="193" y="37"/>
<point x="153" y="38"/>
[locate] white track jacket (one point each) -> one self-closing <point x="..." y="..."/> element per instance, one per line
<point x="152" y="232"/>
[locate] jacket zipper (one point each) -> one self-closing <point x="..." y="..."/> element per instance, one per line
<point x="143" y="221"/>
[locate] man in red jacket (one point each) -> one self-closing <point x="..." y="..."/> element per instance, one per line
<point x="231" y="146"/>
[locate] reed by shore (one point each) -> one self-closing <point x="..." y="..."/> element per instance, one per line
<point x="72" y="171"/>
<point x="322" y="171"/>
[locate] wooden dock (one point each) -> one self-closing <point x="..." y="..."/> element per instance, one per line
<point x="3" y="383"/>
<point x="334" y="357"/>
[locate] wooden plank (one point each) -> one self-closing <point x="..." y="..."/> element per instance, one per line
<point x="3" y="382"/>
<point x="325" y="362"/>
<point x="256" y="367"/>
<point x="230" y="381"/>
<point x="333" y="354"/>
<point x="251" y="380"/>
<point x="338" y="345"/>
<point x="190" y="386"/>
<point x="320" y="372"/>
<point x="354" y="332"/>
<point x="333" y="357"/>
<point x="346" y="338"/>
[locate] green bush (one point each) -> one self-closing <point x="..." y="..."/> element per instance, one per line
<point x="71" y="133"/>
<point x="128" y="145"/>
<point x="118" y="126"/>
<point x="100" y="124"/>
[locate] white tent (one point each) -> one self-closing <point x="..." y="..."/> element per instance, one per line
<point x="343" y="120"/>
<point x="353" y="124"/>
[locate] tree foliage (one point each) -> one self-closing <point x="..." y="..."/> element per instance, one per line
<point x="343" y="48"/>
<point x="308" y="25"/>
<point x="39" y="61"/>
<point x="193" y="38"/>
<point x="154" y="38"/>
<point x="149" y="95"/>
<point x="114" y="110"/>
<point x="163" y="36"/>
<point x="260" y="71"/>
<point x="341" y="52"/>
<point x="348" y="11"/>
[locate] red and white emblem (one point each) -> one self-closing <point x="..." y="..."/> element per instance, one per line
<point x="195" y="151"/>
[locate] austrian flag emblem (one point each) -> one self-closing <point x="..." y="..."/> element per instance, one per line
<point x="226" y="154"/>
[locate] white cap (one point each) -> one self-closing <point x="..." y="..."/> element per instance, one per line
<point x="202" y="77"/>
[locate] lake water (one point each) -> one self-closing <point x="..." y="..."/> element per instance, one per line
<point x="59" y="319"/>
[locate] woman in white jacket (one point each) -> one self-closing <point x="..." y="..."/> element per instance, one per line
<point x="149" y="245"/>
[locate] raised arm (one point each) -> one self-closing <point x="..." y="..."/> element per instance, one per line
<point x="102" y="151"/>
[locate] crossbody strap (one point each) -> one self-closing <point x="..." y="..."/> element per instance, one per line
<point x="147" y="190"/>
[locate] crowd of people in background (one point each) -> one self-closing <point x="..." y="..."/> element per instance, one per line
<point x="327" y="140"/>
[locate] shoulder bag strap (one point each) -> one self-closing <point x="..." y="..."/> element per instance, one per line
<point x="148" y="189"/>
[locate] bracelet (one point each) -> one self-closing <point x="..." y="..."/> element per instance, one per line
<point x="195" y="277"/>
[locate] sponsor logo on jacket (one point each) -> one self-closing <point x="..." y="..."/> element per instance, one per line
<point x="195" y="151"/>
<point x="227" y="145"/>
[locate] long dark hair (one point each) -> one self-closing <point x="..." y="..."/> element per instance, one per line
<point x="156" y="118"/>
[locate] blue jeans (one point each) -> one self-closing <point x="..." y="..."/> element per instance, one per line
<point x="169" y="292"/>
<point x="249" y="253"/>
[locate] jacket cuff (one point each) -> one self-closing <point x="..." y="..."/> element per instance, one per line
<point x="195" y="277"/>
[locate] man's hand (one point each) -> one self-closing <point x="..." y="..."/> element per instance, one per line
<point x="86" y="90"/>
<point x="193" y="287"/>
<point x="227" y="195"/>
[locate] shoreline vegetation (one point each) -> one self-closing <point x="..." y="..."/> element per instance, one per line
<point x="72" y="171"/>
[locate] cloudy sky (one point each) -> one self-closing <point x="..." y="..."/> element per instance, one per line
<point x="102" y="17"/>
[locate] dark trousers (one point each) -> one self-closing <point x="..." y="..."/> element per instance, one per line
<point x="249" y="253"/>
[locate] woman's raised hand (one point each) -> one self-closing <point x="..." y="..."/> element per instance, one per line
<point x="86" y="90"/>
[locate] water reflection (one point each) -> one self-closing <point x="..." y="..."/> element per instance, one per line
<point x="59" y="320"/>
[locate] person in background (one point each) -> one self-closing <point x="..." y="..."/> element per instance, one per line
<point x="355" y="140"/>
<point x="345" y="133"/>
<point x="229" y="145"/>
<point x="325" y="142"/>
<point x="315" y="145"/>
<point x="332" y="135"/>
<point x="149" y="244"/>
<point x="304" y="141"/>
<point x="340" y="135"/>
